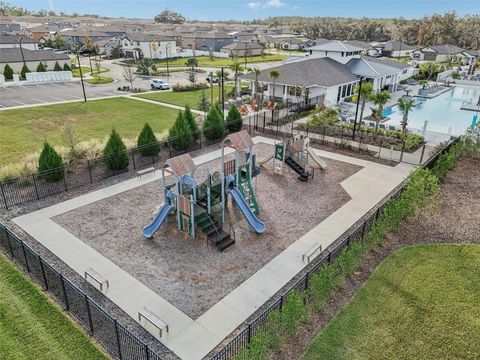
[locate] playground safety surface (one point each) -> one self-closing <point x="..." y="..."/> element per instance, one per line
<point x="192" y="274"/>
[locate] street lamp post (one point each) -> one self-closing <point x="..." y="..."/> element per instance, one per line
<point x="21" y="50"/>
<point x="223" y="95"/>
<point x="81" y="78"/>
<point x="167" y="47"/>
<point x="358" y="104"/>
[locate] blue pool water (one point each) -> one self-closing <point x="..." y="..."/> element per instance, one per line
<point x="442" y="112"/>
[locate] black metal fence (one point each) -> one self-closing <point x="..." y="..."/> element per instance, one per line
<point x="234" y="348"/>
<point x="85" y="172"/>
<point x="116" y="338"/>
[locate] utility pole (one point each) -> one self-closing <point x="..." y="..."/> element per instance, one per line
<point x="81" y="78"/>
<point x="21" y="50"/>
<point x="223" y="95"/>
<point x="166" y="49"/>
<point x="358" y="104"/>
<point x="246" y="46"/>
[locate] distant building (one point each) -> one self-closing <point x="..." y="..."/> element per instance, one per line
<point x="394" y="49"/>
<point x="341" y="51"/>
<point x="14" y="41"/>
<point x="74" y="38"/>
<point x="207" y="41"/>
<point x="292" y="44"/>
<point x="8" y="26"/>
<point x="150" y="46"/>
<point x="14" y="58"/>
<point x="239" y="49"/>
<point x="437" y="53"/>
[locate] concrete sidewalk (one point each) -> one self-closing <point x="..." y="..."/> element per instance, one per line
<point x="191" y="339"/>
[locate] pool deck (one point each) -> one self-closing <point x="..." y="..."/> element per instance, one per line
<point x="193" y="339"/>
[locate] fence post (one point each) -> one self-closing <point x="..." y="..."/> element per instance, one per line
<point x="9" y="242"/>
<point x="306" y="280"/>
<point x="43" y="273"/>
<point x="281" y="302"/>
<point x="403" y="148"/>
<point x="363" y="229"/>
<point x="90" y="322"/>
<point x="118" y="339"/>
<point x="146" y="352"/>
<point x="423" y="153"/>
<point x="249" y="333"/>
<point x="133" y="160"/>
<point x="25" y="255"/>
<point x="62" y="281"/>
<point x="35" y="184"/>
<point x="3" y="195"/>
<point x="324" y="132"/>
<point x="64" y="179"/>
<point x="89" y="171"/>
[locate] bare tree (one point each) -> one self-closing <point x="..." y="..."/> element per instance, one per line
<point x="70" y="139"/>
<point x="129" y="75"/>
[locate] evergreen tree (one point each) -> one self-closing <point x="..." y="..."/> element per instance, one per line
<point x="180" y="135"/>
<point x="57" y="67"/>
<point x="25" y="70"/>
<point x="191" y="123"/>
<point x="50" y="164"/>
<point x="203" y="103"/>
<point x="66" y="67"/>
<point x="147" y="142"/>
<point x="8" y="72"/>
<point x="213" y="126"/>
<point x="234" y="119"/>
<point x="115" y="152"/>
<point x="41" y="67"/>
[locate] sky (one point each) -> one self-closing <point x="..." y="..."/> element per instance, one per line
<point x="255" y="9"/>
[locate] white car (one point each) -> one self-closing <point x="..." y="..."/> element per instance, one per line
<point x="159" y="84"/>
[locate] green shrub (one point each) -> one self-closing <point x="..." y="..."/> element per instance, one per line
<point x="188" y="116"/>
<point x="50" y="164"/>
<point x="213" y="126"/>
<point x="293" y="312"/>
<point x="24" y="70"/>
<point x="57" y="67"/>
<point x="180" y="135"/>
<point x="147" y="142"/>
<point x="8" y="72"/>
<point x="115" y="152"/>
<point x="66" y="67"/>
<point x="41" y="67"/>
<point x="190" y="87"/>
<point x="234" y="119"/>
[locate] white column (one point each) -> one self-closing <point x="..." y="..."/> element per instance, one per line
<point x="285" y="93"/>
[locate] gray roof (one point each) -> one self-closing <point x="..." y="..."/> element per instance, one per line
<point x="339" y="46"/>
<point x="324" y="72"/>
<point x="472" y="52"/>
<point x="241" y="45"/>
<point x="371" y="67"/>
<point x="144" y="37"/>
<point x="15" y="39"/>
<point x="446" y="49"/>
<point x="396" y="46"/>
<point x="11" y="55"/>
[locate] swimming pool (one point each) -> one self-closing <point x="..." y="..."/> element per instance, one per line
<point x="442" y="112"/>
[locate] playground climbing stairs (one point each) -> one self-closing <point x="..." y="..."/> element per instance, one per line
<point x="300" y="170"/>
<point x="214" y="232"/>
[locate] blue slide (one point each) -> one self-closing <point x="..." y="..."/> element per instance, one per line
<point x="160" y="218"/>
<point x="255" y="223"/>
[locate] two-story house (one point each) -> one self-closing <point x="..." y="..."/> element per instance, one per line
<point x="150" y="46"/>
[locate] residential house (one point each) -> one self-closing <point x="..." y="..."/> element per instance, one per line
<point x="394" y="49"/>
<point x="15" y="58"/>
<point x="8" y="26"/>
<point x="239" y="49"/>
<point x="383" y="74"/>
<point x="244" y="36"/>
<point x="39" y="32"/>
<point x="15" y="41"/>
<point x="292" y="44"/>
<point x="74" y="38"/>
<point x="106" y="47"/>
<point x="341" y="51"/>
<point x="150" y="46"/>
<point x="328" y="81"/>
<point x="212" y="40"/>
<point x="469" y="57"/>
<point x="437" y="53"/>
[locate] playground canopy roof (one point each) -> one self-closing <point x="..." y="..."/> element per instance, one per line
<point x="239" y="140"/>
<point x="180" y="165"/>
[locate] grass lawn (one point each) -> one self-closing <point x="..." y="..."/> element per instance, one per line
<point x="26" y="129"/>
<point x="421" y="303"/>
<point x="86" y="71"/>
<point x="204" y="61"/>
<point x="32" y="327"/>
<point x="183" y="98"/>
<point x="101" y="80"/>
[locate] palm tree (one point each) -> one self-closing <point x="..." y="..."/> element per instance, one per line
<point x="405" y="105"/>
<point x="257" y="73"/>
<point x="365" y="93"/>
<point x="236" y="68"/>
<point x="274" y="74"/>
<point x="379" y="99"/>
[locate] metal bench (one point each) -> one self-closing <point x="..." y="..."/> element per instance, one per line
<point x="313" y="250"/>
<point x="152" y="319"/>
<point x="93" y="276"/>
<point x="146" y="171"/>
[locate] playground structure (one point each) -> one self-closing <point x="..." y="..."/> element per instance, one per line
<point x="202" y="205"/>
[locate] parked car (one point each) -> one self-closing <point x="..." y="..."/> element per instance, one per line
<point x="214" y="79"/>
<point x="159" y="84"/>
